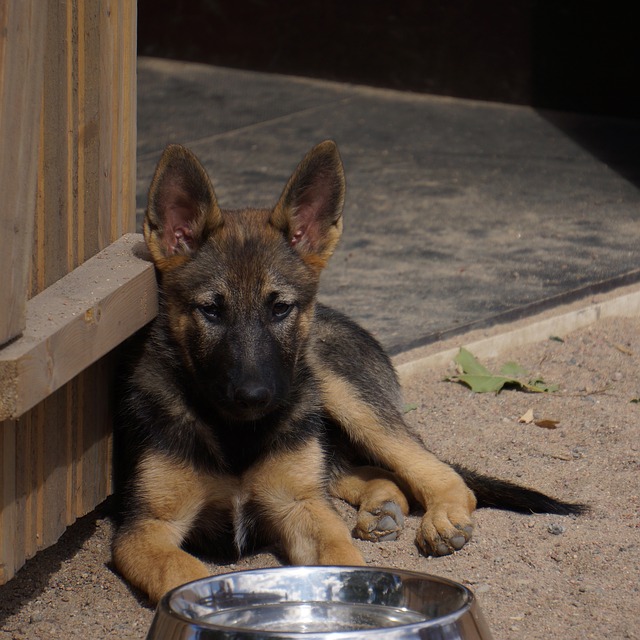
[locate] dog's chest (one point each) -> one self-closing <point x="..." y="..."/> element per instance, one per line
<point x="242" y="445"/>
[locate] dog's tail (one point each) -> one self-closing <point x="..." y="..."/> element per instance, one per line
<point x="502" y="494"/>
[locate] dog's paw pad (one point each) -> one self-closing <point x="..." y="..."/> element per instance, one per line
<point x="457" y="542"/>
<point x="442" y="546"/>
<point x="438" y="537"/>
<point x="380" y="524"/>
<point x="442" y="549"/>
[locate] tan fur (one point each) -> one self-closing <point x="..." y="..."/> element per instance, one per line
<point x="148" y="553"/>
<point x="443" y="494"/>
<point x="370" y="486"/>
<point x="294" y="505"/>
<point x="297" y="508"/>
<point x="149" y="557"/>
<point x="370" y="489"/>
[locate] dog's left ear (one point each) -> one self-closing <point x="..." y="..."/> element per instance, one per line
<point x="309" y="211"/>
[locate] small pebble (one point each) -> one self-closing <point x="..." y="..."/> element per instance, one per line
<point x="555" y="529"/>
<point x="36" y="617"/>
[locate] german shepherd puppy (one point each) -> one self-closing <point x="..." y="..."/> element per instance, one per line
<point x="248" y="404"/>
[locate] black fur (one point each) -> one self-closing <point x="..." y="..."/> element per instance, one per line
<point x="502" y="494"/>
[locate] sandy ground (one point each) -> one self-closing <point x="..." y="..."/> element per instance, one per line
<point x="535" y="576"/>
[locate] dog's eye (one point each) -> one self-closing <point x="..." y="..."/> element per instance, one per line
<point x="281" y="310"/>
<point x="211" y="312"/>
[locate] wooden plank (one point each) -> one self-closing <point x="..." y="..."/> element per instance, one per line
<point x="94" y="54"/>
<point x="22" y="28"/>
<point x="117" y="107"/>
<point x="29" y="458"/>
<point x="55" y="466"/>
<point x="57" y="164"/>
<point x="9" y="508"/>
<point x="24" y="471"/>
<point x="128" y="109"/>
<point x="108" y="112"/>
<point x="95" y="435"/>
<point x="49" y="479"/>
<point x="74" y="322"/>
<point x="86" y="181"/>
<point x="57" y="223"/>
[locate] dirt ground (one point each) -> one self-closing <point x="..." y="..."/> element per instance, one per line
<point x="535" y="576"/>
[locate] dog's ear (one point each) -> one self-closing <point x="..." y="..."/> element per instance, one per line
<point x="182" y="210"/>
<point x="309" y="211"/>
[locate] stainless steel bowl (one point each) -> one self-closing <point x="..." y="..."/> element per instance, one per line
<point x="338" y="603"/>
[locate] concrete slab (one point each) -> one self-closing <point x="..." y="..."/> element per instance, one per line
<point x="459" y="214"/>
<point x="491" y="342"/>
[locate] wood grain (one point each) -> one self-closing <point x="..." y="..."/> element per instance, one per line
<point x="22" y="28"/>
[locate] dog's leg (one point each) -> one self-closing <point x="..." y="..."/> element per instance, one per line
<point x="170" y="496"/>
<point x="383" y="435"/>
<point x="287" y="493"/>
<point x="149" y="557"/>
<point x="382" y="505"/>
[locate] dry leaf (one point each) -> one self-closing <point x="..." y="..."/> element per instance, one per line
<point x="547" y="424"/>
<point x="526" y="418"/>
<point x="622" y="349"/>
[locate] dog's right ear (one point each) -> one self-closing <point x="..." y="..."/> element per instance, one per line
<point x="182" y="210"/>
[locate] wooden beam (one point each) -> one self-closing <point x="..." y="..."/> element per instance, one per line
<point x="75" y="321"/>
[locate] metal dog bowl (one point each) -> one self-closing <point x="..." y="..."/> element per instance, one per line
<point x="338" y="603"/>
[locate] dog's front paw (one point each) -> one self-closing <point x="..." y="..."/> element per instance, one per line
<point x="380" y="524"/>
<point x="444" y="529"/>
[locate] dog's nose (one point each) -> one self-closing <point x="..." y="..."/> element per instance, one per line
<point x="252" y="396"/>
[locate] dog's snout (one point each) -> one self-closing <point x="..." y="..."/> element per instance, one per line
<point x="252" y="395"/>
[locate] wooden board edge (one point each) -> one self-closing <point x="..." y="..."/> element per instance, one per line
<point x="76" y="321"/>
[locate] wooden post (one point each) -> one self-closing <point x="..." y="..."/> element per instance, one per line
<point x="56" y="457"/>
<point x="22" y="24"/>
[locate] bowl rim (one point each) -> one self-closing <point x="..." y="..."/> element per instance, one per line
<point x="449" y="618"/>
